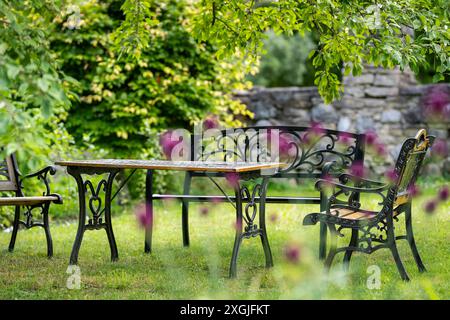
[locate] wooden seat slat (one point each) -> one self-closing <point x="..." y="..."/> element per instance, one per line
<point x="13" y="201"/>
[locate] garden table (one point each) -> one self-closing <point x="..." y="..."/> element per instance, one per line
<point x="248" y="179"/>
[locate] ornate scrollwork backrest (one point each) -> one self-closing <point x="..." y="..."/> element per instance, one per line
<point x="409" y="163"/>
<point x="8" y="174"/>
<point x="304" y="149"/>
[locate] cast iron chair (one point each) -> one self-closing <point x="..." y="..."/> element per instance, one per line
<point x="11" y="181"/>
<point x="372" y="230"/>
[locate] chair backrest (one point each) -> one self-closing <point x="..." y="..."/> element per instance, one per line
<point x="9" y="174"/>
<point x="409" y="163"/>
<point x="304" y="149"/>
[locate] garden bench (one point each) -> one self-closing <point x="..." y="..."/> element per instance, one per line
<point x="310" y="153"/>
<point x="12" y="181"/>
<point x="373" y="230"/>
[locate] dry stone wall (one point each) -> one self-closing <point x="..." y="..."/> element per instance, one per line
<point x="388" y="102"/>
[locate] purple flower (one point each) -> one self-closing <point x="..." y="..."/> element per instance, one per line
<point x="292" y="252"/>
<point x="204" y="211"/>
<point x="357" y="169"/>
<point x="316" y="128"/>
<point x="380" y="149"/>
<point x="371" y="137"/>
<point x="232" y="179"/>
<point x="436" y="101"/>
<point x="167" y="144"/>
<point x="273" y="217"/>
<point x="345" y="138"/>
<point x="391" y="175"/>
<point x="440" y="148"/>
<point x="430" y="206"/>
<point x="413" y="190"/>
<point x="284" y="145"/>
<point x="210" y="123"/>
<point x="443" y="193"/>
<point x="145" y="220"/>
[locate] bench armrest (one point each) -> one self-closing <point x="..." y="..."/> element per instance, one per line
<point x="42" y="175"/>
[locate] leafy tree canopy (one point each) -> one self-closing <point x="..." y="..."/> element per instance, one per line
<point x="384" y="33"/>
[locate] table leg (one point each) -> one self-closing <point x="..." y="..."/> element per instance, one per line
<point x="247" y="214"/>
<point x="149" y="211"/>
<point x="96" y="207"/>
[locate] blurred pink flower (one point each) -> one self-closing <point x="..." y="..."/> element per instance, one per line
<point x="145" y="220"/>
<point x="204" y="211"/>
<point x="380" y="149"/>
<point x="391" y="175"/>
<point x="436" y="101"/>
<point x="430" y="206"/>
<point x="273" y="217"/>
<point x="167" y="144"/>
<point x="291" y="252"/>
<point x="232" y="179"/>
<point x="357" y="169"/>
<point x="440" y="148"/>
<point x="413" y="190"/>
<point x="316" y="128"/>
<point x="237" y="225"/>
<point x="443" y="193"/>
<point x="371" y="137"/>
<point x="284" y="145"/>
<point x="345" y="138"/>
<point x="211" y="122"/>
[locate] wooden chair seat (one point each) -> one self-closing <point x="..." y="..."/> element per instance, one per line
<point x="352" y="214"/>
<point x="25" y="201"/>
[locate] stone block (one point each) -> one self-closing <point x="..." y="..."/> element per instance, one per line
<point x="324" y="113"/>
<point x="380" y="92"/>
<point x="391" y="116"/>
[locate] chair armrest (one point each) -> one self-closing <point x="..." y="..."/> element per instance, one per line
<point x="41" y="175"/>
<point x="321" y="184"/>
<point x="361" y="182"/>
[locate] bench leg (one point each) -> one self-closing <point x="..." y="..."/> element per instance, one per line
<point x="48" y="235"/>
<point x="323" y="241"/>
<point x="411" y="241"/>
<point x="333" y="245"/>
<point x="15" y="229"/>
<point x="348" y="253"/>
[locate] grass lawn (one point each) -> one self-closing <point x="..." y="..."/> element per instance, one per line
<point x="200" y="271"/>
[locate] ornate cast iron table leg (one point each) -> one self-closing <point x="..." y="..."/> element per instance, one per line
<point x="95" y="205"/>
<point x="247" y="214"/>
<point x="149" y="211"/>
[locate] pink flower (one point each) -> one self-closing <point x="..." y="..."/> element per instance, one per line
<point x="273" y="217"/>
<point x="204" y="211"/>
<point x="292" y="253"/>
<point x="232" y="179"/>
<point x="436" y="101"/>
<point x="380" y="149"/>
<point x="167" y="144"/>
<point x="211" y="123"/>
<point x="430" y="206"/>
<point x="284" y="145"/>
<point x="144" y="219"/>
<point x="316" y="128"/>
<point x="357" y="169"/>
<point x="391" y="175"/>
<point x="440" y="148"/>
<point x="443" y="193"/>
<point x="237" y="225"/>
<point x="345" y="138"/>
<point x="413" y="190"/>
<point x="371" y="137"/>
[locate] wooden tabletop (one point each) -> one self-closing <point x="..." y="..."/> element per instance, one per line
<point x="210" y="166"/>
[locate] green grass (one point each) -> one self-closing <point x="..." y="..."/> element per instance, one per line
<point x="200" y="271"/>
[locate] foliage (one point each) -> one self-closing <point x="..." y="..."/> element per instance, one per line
<point x="285" y="61"/>
<point x="351" y="33"/>
<point x="123" y="103"/>
<point x="32" y="89"/>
